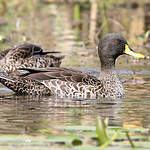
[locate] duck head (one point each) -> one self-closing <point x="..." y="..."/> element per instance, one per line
<point x="111" y="46"/>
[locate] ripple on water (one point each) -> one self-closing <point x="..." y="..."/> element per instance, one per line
<point x="27" y="114"/>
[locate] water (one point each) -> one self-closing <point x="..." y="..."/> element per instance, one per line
<point x="19" y="114"/>
<point x="25" y="114"/>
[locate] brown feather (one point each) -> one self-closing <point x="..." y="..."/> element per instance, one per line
<point x="62" y="74"/>
<point x="27" y="55"/>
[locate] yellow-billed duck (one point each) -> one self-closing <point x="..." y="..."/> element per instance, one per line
<point x="64" y="82"/>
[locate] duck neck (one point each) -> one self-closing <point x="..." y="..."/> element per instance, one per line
<point x="108" y="73"/>
<point x="111" y="83"/>
<point x="107" y="64"/>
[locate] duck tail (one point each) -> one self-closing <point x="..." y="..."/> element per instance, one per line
<point x="61" y="57"/>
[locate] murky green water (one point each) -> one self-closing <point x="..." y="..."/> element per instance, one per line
<point x="30" y="114"/>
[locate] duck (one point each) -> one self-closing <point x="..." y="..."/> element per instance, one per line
<point x="63" y="82"/>
<point x="28" y="55"/>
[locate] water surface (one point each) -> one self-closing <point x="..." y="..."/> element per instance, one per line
<point x="27" y="114"/>
<point x="53" y="27"/>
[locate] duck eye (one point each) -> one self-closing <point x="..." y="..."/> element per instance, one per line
<point x="117" y="41"/>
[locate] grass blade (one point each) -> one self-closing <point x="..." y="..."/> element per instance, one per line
<point x="101" y="131"/>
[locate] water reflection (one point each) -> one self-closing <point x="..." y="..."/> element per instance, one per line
<point x="17" y="114"/>
<point x="20" y="114"/>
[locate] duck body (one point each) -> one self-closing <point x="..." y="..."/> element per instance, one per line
<point x="27" y="55"/>
<point x="64" y="82"/>
<point x="3" y="53"/>
<point x="23" y="86"/>
<point x="33" y="62"/>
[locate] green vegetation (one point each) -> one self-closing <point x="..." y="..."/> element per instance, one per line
<point x="82" y="137"/>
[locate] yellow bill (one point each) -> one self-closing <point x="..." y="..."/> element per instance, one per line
<point x="130" y="52"/>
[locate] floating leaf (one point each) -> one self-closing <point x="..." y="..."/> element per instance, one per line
<point x="87" y="147"/>
<point x="77" y="128"/>
<point x="62" y="138"/>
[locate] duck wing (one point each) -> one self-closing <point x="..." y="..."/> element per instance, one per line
<point x="63" y="74"/>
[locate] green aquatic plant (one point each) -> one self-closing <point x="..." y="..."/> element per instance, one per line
<point x="101" y="131"/>
<point x="80" y="137"/>
<point x="104" y="139"/>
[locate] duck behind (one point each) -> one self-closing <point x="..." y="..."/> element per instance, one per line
<point x="28" y="55"/>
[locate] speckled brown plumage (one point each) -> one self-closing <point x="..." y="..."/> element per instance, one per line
<point x="64" y="82"/>
<point x="71" y="83"/>
<point x="27" y="55"/>
<point x="3" y="53"/>
<point x="23" y="85"/>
